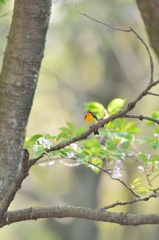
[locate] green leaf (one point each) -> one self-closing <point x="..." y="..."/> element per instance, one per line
<point x="3" y="1"/>
<point x="65" y="130"/>
<point x="79" y="131"/>
<point x="146" y="140"/>
<point x="116" y="105"/>
<point x="137" y="181"/>
<point x="35" y="137"/>
<point x="38" y="153"/>
<point x="154" y="158"/>
<point x="154" y="115"/>
<point x="119" y="154"/>
<point x="125" y="135"/>
<point x="71" y="126"/>
<point x="97" y="108"/>
<point x="61" y="135"/>
<point x="96" y="164"/>
<point x="126" y="144"/>
<point x="131" y="127"/>
<point x="28" y="145"/>
<point x="142" y="156"/>
<point x="141" y="190"/>
<point x="156" y="130"/>
<point x="83" y="159"/>
<point x="155" y="144"/>
<point x="119" y="123"/>
<point x="111" y="145"/>
<point x="90" y="143"/>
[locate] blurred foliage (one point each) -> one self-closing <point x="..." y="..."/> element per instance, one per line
<point x="118" y="144"/>
<point x="3" y="1"/>
<point x="86" y="63"/>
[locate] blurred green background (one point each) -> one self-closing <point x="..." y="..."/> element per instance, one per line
<point x="83" y="61"/>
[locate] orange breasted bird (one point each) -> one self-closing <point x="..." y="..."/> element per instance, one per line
<point x="91" y="120"/>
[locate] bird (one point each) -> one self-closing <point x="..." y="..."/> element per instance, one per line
<point x="91" y="120"/>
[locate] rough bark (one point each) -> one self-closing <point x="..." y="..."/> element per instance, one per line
<point x="18" y="79"/>
<point x="79" y="212"/>
<point x="150" y="13"/>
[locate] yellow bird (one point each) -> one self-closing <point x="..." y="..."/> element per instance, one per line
<point x="91" y="120"/>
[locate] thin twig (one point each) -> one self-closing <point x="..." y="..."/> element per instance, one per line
<point x="149" y="53"/>
<point x="141" y="117"/>
<point x="118" y="203"/>
<point x="125" y="30"/>
<point x="103" y="23"/>
<point x="154" y="94"/>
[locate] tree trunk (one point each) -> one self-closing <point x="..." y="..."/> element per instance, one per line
<point x="150" y="13"/>
<point x="18" y="79"/>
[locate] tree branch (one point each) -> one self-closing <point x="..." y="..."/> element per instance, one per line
<point x="118" y="203"/>
<point x="21" y="175"/>
<point x="154" y="94"/>
<point x="141" y="117"/>
<point x="125" y="30"/>
<point x="78" y="212"/>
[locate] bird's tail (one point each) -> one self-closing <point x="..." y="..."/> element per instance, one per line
<point x="96" y="132"/>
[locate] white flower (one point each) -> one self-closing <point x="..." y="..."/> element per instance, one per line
<point x="35" y="148"/>
<point x="70" y="155"/>
<point x="41" y="140"/>
<point x="118" y="161"/>
<point x="93" y="167"/>
<point x="116" y="173"/>
<point x="74" y="146"/>
<point x="140" y="168"/>
<point x="45" y="142"/>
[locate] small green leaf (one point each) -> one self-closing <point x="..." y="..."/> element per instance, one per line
<point x="154" y="115"/>
<point x="155" y="144"/>
<point x="90" y="143"/>
<point x="83" y="159"/>
<point x="119" y="154"/>
<point x="136" y="181"/>
<point x="131" y="127"/>
<point x="35" y="137"/>
<point x="154" y="158"/>
<point x="47" y="136"/>
<point x="97" y="108"/>
<point x="65" y="130"/>
<point x="126" y="144"/>
<point x="61" y="135"/>
<point x="96" y="164"/>
<point x="38" y="153"/>
<point x="116" y="105"/>
<point x="3" y="1"/>
<point x="111" y="145"/>
<point x="79" y="131"/>
<point x="156" y="130"/>
<point x="142" y="156"/>
<point x="141" y="190"/>
<point x="28" y="145"/>
<point x="71" y="126"/>
<point x="120" y="123"/>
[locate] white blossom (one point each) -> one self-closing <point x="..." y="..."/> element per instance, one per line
<point x="35" y="148"/>
<point x="70" y="155"/>
<point x="116" y="173"/>
<point x="140" y="168"/>
<point x="93" y="167"/>
<point x="41" y="140"/>
<point x="74" y="146"/>
<point x="118" y="161"/>
<point x="45" y="142"/>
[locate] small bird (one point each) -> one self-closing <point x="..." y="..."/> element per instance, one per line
<point x="91" y="120"/>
